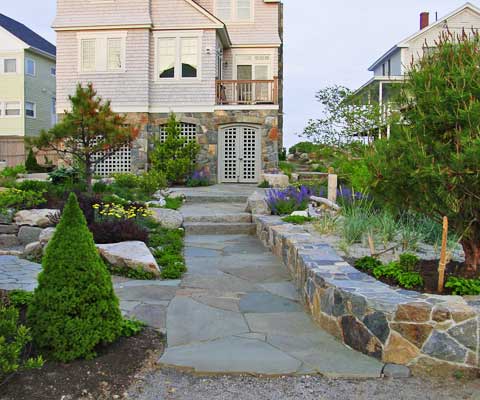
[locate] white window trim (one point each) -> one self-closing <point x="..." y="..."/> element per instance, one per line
<point x="101" y="52"/>
<point x="34" y="67"/>
<point x="253" y="53"/>
<point x="2" y="65"/>
<point x="234" y="19"/>
<point x="34" y="110"/>
<point x="178" y="35"/>
<point x="4" y="108"/>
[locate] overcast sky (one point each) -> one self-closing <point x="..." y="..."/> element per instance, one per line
<point x="326" y="42"/>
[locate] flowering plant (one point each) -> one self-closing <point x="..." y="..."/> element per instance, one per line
<point x="199" y="178"/>
<point x="119" y="211"/>
<point x="286" y="201"/>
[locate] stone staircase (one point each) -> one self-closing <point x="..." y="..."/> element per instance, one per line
<point x="217" y="213"/>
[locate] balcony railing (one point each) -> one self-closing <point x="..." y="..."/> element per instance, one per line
<point x="247" y="92"/>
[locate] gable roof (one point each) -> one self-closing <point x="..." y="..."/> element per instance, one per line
<point x="27" y="36"/>
<point x="405" y="42"/>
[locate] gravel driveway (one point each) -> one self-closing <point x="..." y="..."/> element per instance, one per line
<point x="173" y="385"/>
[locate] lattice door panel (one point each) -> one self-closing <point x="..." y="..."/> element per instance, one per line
<point x="249" y="155"/>
<point x="230" y="170"/>
<point x="120" y="161"/>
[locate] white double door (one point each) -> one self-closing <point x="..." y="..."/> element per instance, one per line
<point x="239" y="154"/>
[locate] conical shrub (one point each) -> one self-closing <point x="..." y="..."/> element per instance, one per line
<point x="74" y="308"/>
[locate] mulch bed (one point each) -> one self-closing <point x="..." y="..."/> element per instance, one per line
<point x="106" y="377"/>
<point x="428" y="269"/>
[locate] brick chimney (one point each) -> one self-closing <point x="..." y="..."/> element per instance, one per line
<point x="424" y="20"/>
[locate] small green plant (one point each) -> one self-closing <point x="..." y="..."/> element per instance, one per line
<point x="410" y="280"/>
<point x="287" y="168"/>
<point x="19" y="298"/>
<point x="409" y="262"/>
<point x="367" y="263"/>
<point x="385" y="227"/>
<point x="326" y="224"/>
<point x="356" y="221"/>
<point x="199" y="178"/>
<point x="13" y="172"/>
<point x="297" y="219"/>
<point x="173" y="203"/>
<point x="264" y="184"/>
<point x="459" y="374"/>
<point x="132" y="273"/>
<point x="64" y="175"/>
<point x="74" y="307"/>
<point x="396" y="272"/>
<point x="14" y="338"/>
<point x="173" y="271"/>
<point x="18" y="199"/>
<point x="390" y="270"/>
<point x="463" y="286"/>
<point x="167" y="245"/>
<point x="132" y="327"/>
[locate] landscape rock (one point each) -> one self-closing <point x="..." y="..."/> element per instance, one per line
<point x="396" y="371"/>
<point x="413" y="312"/>
<point x="442" y="346"/>
<point x="399" y="350"/>
<point x="276" y="180"/>
<point x="33" y="249"/>
<point x="299" y="214"/>
<point x="10" y="229"/>
<point x="304" y="157"/>
<point x="132" y="254"/>
<point x="291" y="157"/>
<point x="8" y="240"/>
<point x="35" y="217"/>
<point x="29" y="234"/>
<point x="378" y="325"/>
<point x="46" y="235"/>
<point x="359" y="338"/>
<point x="157" y="203"/>
<point x="257" y="204"/>
<point x="414" y="333"/>
<point x="176" y="195"/>
<point x="7" y="216"/>
<point x="466" y="333"/>
<point x="170" y="219"/>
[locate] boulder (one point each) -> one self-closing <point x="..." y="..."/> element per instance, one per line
<point x="33" y="249"/>
<point x="7" y="216"/>
<point x="11" y="229"/>
<point x="291" y="157"/>
<point x="46" y="235"/>
<point x="133" y="254"/>
<point x="257" y="204"/>
<point x="177" y="195"/>
<point x="304" y="157"/>
<point x="157" y="203"/>
<point x="275" y="180"/>
<point x="170" y="219"/>
<point x="29" y="234"/>
<point x="35" y="217"/>
<point x="7" y="240"/>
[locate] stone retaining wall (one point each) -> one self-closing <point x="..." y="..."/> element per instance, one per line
<point x="435" y="335"/>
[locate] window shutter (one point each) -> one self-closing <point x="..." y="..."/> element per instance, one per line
<point x="224" y="10"/>
<point x="88" y="55"/>
<point x="114" y="54"/>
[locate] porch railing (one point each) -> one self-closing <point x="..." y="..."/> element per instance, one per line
<point x="246" y="92"/>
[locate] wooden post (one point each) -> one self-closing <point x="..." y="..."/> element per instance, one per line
<point x="371" y="244"/>
<point x="443" y="256"/>
<point x="332" y="187"/>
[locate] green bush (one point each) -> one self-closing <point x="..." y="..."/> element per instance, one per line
<point x="18" y="199"/>
<point x="13" y="172"/>
<point x="167" y="245"/>
<point x="64" y="175"/>
<point x="287" y="168"/>
<point x="176" y="156"/>
<point x="31" y="163"/>
<point x="35" y="186"/>
<point x="303" y="147"/>
<point x="132" y="327"/>
<point x="410" y="280"/>
<point x="74" y="307"/>
<point x="463" y="286"/>
<point x="126" y="180"/>
<point x="409" y="262"/>
<point x="152" y="181"/>
<point x="20" y="298"/>
<point x="14" y="338"/>
<point x="367" y="263"/>
<point x="395" y="272"/>
<point x="297" y="219"/>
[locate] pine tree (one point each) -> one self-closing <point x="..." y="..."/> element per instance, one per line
<point x="74" y="308"/>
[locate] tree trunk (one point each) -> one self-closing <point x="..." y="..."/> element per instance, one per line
<point x="471" y="248"/>
<point x="88" y="174"/>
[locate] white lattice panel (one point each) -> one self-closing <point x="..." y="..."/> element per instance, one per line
<point x="230" y="155"/>
<point x="120" y="161"/>
<point x="249" y="155"/>
<point x="188" y="131"/>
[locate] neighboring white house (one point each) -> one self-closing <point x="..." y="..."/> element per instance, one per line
<point x="391" y="67"/>
<point x="216" y="63"/>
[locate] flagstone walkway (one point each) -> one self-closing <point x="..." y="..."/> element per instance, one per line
<point x="235" y="311"/>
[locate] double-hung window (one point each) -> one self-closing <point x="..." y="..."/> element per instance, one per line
<point x="102" y="52"/>
<point x="10" y="66"/>
<point x="178" y="57"/>
<point x="30" y="67"/>
<point x="30" y="109"/>
<point x="234" y="10"/>
<point x="12" y="109"/>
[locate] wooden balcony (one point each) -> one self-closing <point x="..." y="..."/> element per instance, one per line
<point x="247" y="92"/>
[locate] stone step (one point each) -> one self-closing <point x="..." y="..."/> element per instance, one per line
<point x="224" y="228"/>
<point x="220" y="218"/>
<point x="216" y="198"/>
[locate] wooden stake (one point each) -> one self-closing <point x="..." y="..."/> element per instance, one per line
<point x="371" y="244"/>
<point x="443" y="256"/>
<point x="332" y="187"/>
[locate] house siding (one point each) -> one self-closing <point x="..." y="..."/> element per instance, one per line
<point x="129" y="88"/>
<point x="263" y="30"/>
<point x="71" y="13"/>
<point x="39" y="89"/>
<point x="177" y="13"/>
<point x="396" y="64"/>
<point x="12" y="89"/>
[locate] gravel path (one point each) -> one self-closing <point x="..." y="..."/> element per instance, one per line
<point x="173" y="385"/>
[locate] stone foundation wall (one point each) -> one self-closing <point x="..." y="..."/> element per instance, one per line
<point x="208" y="126"/>
<point x="434" y="335"/>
